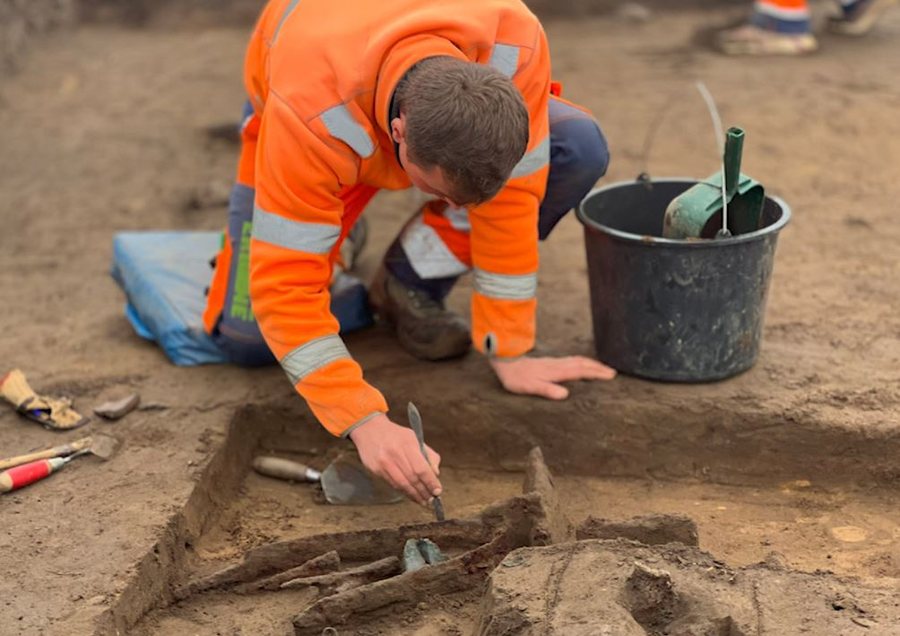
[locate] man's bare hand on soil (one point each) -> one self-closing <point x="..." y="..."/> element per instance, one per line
<point x="542" y="376"/>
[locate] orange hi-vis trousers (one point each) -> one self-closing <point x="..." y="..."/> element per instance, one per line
<point x="789" y="16"/>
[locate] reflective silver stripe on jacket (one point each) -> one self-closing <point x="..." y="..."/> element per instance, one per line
<point x="315" y="238"/>
<point x="459" y="218"/>
<point x="284" y="16"/>
<point x="534" y="160"/>
<point x="247" y="120"/>
<point x="428" y="255"/>
<point x="505" y="58"/>
<point x="505" y="286"/>
<point x="312" y="356"/>
<point x="341" y="125"/>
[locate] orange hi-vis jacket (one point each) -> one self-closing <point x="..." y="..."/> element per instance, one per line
<point x="321" y="75"/>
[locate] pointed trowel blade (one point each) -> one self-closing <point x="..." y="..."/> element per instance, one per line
<point x="415" y="423"/>
<point x="346" y="483"/>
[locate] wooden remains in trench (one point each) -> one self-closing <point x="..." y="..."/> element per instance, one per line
<point x="534" y="518"/>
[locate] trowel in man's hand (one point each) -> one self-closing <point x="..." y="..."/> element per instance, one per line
<point x="344" y="482"/>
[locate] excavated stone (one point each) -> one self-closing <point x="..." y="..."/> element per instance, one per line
<point x="650" y="596"/>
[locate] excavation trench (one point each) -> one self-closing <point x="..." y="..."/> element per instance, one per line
<point x="234" y="517"/>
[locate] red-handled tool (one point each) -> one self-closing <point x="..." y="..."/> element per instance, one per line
<point x="21" y="476"/>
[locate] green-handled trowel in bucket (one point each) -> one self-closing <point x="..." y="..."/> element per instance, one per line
<point x="716" y="208"/>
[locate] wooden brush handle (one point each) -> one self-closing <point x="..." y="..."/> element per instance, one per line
<point x="56" y="451"/>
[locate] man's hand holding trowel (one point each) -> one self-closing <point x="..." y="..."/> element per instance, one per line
<point x="391" y="451"/>
<point x="398" y="456"/>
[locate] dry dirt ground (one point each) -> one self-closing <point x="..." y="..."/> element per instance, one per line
<point x="103" y="131"/>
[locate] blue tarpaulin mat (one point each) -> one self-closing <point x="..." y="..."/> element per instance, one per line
<point x="165" y="275"/>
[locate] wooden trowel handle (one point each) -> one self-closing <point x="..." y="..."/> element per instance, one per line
<point x="56" y="451"/>
<point x="285" y="469"/>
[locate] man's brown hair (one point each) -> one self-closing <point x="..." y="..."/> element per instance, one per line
<point x="467" y="119"/>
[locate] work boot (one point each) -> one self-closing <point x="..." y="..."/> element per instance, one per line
<point x="753" y="40"/>
<point x="424" y="327"/>
<point x="859" y="17"/>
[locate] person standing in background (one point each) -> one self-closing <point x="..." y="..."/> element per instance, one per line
<point x="784" y="27"/>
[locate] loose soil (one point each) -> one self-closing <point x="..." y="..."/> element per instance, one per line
<point x="103" y="130"/>
<point x="672" y="589"/>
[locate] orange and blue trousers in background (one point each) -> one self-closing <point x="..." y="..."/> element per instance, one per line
<point x="790" y="16"/>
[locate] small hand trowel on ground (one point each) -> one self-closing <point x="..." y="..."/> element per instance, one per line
<point x="344" y="482"/>
<point x="33" y="467"/>
<point x="712" y="209"/>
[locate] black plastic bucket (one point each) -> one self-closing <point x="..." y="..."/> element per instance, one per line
<point x="676" y="310"/>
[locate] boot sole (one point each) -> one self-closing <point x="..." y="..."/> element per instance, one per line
<point x="446" y="351"/>
<point x="802" y="46"/>
<point x="862" y="25"/>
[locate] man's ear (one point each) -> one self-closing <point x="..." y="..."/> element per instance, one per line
<point x="398" y="129"/>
